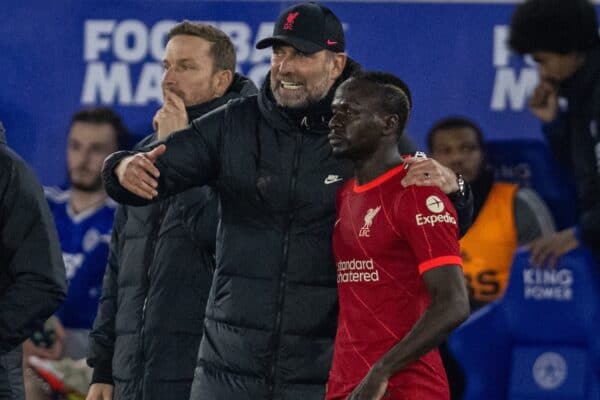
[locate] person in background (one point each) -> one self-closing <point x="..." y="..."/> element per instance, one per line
<point x="504" y="218"/>
<point x="32" y="273"/>
<point x="83" y="214"/>
<point x="562" y="37"/>
<point x="146" y="336"/>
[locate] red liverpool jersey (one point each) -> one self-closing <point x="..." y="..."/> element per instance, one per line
<point x="386" y="236"/>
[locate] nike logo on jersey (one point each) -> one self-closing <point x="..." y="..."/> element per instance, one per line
<point x="332" y="179"/>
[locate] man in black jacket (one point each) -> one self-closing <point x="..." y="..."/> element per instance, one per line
<point x="32" y="273"/>
<point x="271" y="314"/>
<point x="562" y="36"/>
<point x="148" y="329"/>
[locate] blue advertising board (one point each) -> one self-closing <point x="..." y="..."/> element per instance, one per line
<point x="60" y="56"/>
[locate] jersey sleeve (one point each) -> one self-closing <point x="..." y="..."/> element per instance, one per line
<point x="429" y="222"/>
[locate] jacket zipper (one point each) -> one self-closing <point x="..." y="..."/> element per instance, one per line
<point x="283" y="268"/>
<point x="141" y="352"/>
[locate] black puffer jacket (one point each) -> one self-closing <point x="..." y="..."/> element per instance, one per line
<point x="32" y="273"/>
<point x="149" y="325"/>
<point x="272" y="311"/>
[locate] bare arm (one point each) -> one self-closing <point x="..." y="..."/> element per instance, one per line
<point x="449" y="307"/>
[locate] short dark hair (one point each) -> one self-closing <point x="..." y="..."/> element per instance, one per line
<point x="454" y="122"/>
<point x="221" y="49"/>
<point x="104" y="115"/>
<point x="557" y="26"/>
<point x="396" y="97"/>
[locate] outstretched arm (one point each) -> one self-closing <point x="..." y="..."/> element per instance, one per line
<point x="187" y="158"/>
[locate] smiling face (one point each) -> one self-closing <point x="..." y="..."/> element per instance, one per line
<point x="299" y="79"/>
<point x="358" y="122"/>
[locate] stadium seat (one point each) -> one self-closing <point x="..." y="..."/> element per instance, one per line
<point x="541" y="340"/>
<point x="530" y="163"/>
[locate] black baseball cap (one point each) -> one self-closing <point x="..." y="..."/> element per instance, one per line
<point x="308" y="27"/>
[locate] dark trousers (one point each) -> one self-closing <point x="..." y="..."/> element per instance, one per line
<point x="11" y="375"/>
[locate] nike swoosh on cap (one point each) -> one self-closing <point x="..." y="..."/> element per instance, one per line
<point x="331" y="43"/>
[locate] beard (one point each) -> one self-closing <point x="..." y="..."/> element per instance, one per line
<point x="85" y="185"/>
<point x="302" y="97"/>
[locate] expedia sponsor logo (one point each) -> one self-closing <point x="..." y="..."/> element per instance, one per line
<point x="434" y="204"/>
<point x="435" y="219"/>
<point x="354" y="271"/>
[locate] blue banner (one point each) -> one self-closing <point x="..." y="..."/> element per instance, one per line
<point x="60" y="56"/>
